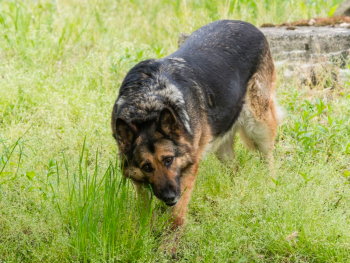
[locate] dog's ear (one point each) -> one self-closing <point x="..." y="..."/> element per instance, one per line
<point x="125" y="134"/>
<point x="168" y="122"/>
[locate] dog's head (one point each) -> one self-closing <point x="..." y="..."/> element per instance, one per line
<point x="155" y="153"/>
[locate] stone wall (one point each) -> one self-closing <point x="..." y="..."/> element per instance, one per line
<point x="307" y="50"/>
<point x="308" y="44"/>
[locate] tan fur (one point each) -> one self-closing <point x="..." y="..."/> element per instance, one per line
<point x="261" y="106"/>
<point x="223" y="146"/>
<point x="187" y="184"/>
<point x="202" y="138"/>
<point x="257" y="123"/>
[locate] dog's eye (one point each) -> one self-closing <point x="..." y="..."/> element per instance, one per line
<point x="147" y="168"/>
<point x="168" y="160"/>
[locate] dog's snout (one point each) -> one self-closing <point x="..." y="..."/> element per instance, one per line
<point x="169" y="197"/>
<point x="168" y="192"/>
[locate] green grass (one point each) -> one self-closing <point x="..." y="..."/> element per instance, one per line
<point x="62" y="197"/>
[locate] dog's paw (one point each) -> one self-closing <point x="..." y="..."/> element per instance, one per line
<point x="170" y="250"/>
<point x="171" y="242"/>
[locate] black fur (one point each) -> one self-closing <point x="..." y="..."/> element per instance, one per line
<point x="224" y="55"/>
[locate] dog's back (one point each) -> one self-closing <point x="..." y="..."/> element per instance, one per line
<point x="225" y="54"/>
<point x="232" y="64"/>
<point x="236" y="44"/>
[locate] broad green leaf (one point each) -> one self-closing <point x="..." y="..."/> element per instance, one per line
<point x="30" y="175"/>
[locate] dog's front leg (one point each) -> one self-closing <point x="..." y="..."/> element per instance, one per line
<point x="179" y="212"/>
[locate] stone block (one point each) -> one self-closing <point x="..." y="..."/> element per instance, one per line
<point x="343" y="9"/>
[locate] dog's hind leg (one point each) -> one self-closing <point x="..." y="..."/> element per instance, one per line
<point x="260" y="115"/>
<point x="258" y="135"/>
<point x="224" y="146"/>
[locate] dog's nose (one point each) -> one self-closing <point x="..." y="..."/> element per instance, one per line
<point x="169" y="198"/>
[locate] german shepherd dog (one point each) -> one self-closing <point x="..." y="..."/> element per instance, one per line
<point x="171" y="111"/>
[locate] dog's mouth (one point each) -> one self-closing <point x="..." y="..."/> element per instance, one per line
<point x="171" y="203"/>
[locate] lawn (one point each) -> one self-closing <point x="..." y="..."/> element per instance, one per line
<point x="62" y="196"/>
